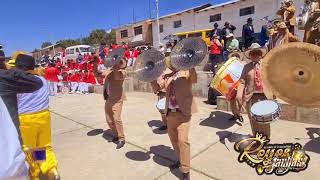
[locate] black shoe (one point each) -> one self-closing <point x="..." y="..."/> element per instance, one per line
<point x="163" y="128"/>
<point x="176" y="165"/>
<point x="186" y="176"/>
<point x="114" y="139"/>
<point x="120" y="144"/>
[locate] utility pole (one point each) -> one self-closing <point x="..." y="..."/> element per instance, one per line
<point x="133" y="19"/>
<point x="150" y="13"/>
<point x="158" y="22"/>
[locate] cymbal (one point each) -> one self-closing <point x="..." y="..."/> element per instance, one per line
<point x="292" y="73"/>
<point x="149" y="65"/>
<point x="188" y="53"/>
<point x="114" y="57"/>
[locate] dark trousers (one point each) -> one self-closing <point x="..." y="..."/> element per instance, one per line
<point x="215" y="59"/>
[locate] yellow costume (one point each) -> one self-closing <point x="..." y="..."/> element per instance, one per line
<point x="35" y="123"/>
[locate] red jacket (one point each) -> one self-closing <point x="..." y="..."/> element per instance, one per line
<point x="51" y="74"/>
<point x="135" y="53"/>
<point x="91" y="79"/>
<point x="75" y="78"/>
<point x="215" y="49"/>
<point x="127" y="54"/>
<point x="90" y="67"/>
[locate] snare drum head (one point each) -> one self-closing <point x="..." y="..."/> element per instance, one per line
<point x="263" y="108"/>
<point x="161" y="105"/>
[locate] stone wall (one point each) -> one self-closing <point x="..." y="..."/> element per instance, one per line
<point x="288" y="112"/>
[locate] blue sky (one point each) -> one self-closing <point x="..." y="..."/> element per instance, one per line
<point x="25" y="24"/>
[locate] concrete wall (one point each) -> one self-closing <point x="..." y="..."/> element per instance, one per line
<point x="200" y="89"/>
<point x="146" y="33"/>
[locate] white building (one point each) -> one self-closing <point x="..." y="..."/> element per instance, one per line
<point x="236" y="12"/>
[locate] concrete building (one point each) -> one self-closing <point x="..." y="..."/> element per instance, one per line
<point x="136" y="34"/>
<point x="236" y="12"/>
<point x="50" y="50"/>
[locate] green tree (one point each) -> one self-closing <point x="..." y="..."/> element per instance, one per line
<point x="46" y="44"/>
<point x="96" y="36"/>
<point x="69" y="42"/>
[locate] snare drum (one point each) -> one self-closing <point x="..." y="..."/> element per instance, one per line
<point x="161" y="105"/>
<point x="265" y="111"/>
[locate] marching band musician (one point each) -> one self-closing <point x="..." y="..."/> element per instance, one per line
<point x="287" y="12"/>
<point x="114" y="96"/>
<point x="178" y="110"/>
<point x="250" y="89"/>
<point x="281" y="36"/>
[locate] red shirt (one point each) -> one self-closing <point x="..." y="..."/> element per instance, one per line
<point x="90" y="67"/>
<point x="69" y="79"/>
<point x="91" y="79"/>
<point x="51" y="74"/>
<point x="75" y="78"/>
<point x="127" y="54"/>
<point x="135" y="53"/>
<point x="83" y="66"/>
<point x="58" y="64"/>
<point x="215" y="49"/>
<point x="83" y="77"/>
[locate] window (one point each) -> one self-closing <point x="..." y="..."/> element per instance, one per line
<point x="71" y="51"/>
<point x="138" y="30"/>
<point x="77" y="50"/>
<point x="67" y="51"/>
<point x="161" y="28"/>
<point x="124" y="34"/>
<point x="177" y="24"/>
<point x="247" y="11"/>
<point x="214" y="18"/>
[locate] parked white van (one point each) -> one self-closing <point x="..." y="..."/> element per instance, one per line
<point x="73" y="52"/>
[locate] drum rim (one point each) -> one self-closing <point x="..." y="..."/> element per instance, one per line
<point x="276" y="110"/>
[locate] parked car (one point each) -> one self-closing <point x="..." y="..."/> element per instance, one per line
<point x="73" y="52"/>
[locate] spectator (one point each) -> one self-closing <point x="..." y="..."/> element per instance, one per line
<point x="83" y="86"/>
<point x="125" y="45"/>
<point x="162" y="49"/>
<point x="51" y="75"/>
<point x="215" y="31"/>
<point x="168" y="49"/>
<point x="228" y="28"/>
<point x="75" y="79"/>
<point x="247" y="33"/>
<point x="135" y="55"/>
<point x="102" y="53"/>
<point x="233" y="43"/>
<point x="264" y="37"/>
<point x="215" y="53"/>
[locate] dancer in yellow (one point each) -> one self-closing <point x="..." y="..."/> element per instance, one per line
<point x="35" y="121"/>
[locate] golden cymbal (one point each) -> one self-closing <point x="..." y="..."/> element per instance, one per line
<point x="292" y="73"/>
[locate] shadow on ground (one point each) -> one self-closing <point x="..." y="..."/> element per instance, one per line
<point x="231" y="137"/>
<point x="155" y="124"/>
<point x="161" y="154"/>
<point x="314" y="144"/>
<point x="219" y="120"/>
<point x="95" y="132"/>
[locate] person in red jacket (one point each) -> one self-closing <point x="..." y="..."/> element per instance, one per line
<point x="75" y="79"/>
<point x="51" y="74"/>
<point x="83" y="87"/>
